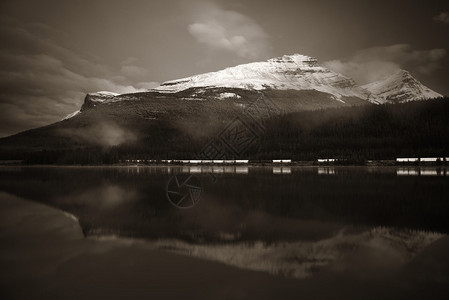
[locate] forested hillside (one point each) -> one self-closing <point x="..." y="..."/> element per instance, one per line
<point x="358" y="133"/>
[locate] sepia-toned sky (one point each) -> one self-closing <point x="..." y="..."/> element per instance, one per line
<point x="54" y="52"/>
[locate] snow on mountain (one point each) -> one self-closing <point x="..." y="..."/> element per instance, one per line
<point x="289" y="72"/>
<point x="71" y="115"/>
<point x="102" y="96"/>
<point x="400" y="87"/>
<point x="297" y="72"/>
<point x="223" y="96"/>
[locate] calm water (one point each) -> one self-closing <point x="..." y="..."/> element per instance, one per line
<point x="292" y="221"/>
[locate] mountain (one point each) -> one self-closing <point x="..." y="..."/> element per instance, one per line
<point x="292" y="82"/>
<point x="289" y="72"/>
<point x="281" y="85"/>
<point x="400" y="87"/>
<point x="180" y="117"/>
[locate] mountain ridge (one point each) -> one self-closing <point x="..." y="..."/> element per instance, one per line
<point x="288" y="72"/>
<point x="400" y="86"/>
<point x="296" y="71"/>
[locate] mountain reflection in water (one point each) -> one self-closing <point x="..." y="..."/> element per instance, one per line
<point x="285" y="220"/>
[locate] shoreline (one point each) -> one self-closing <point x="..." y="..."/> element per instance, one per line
<point x="388" y="163"/>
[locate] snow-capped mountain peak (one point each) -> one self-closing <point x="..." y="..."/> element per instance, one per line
<point x="401" y="86"/>
<point x="289" y="72"/>
<point x="297" y="72"/>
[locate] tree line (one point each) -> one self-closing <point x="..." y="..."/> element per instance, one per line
<point x="356" y="134"/>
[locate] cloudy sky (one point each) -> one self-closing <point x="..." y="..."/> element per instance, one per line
<point x="54" y="52"/>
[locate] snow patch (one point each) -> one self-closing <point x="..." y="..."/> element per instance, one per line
<point x="104" y="93"/>
<point x="228" y="95"/>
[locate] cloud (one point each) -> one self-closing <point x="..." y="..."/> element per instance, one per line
<point x="42" y="80"/>
<point x="229" y="31"/>
<point x="372" y="64"/>
<point x="130" y="69"/>
<point x="134" y="71"/>
<point x="442" y="17"/>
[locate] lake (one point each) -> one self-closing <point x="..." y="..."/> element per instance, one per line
<point x="297" y="223"/>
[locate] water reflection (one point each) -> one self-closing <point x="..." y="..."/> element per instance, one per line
<point x="241" y="170"/>
<point x="218" y="170"/>
<point x="251" y="217"/>
<point x="326" y="171"/>
<point x="198" y="169"/>
<point x="407" y="172"/>
<point x="422" y="172"/>
<point x="301" y="259"/>
<point x="211" y="169"/>
<point x="282" y="170"/>
<point x="194" y="170"/>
